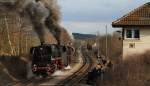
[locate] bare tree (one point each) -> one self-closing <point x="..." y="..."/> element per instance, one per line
<point x="8" y="37"/>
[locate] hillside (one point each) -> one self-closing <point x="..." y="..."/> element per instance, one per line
<point x="83" y="36"/>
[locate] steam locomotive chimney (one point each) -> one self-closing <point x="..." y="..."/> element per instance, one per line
<point x="42" y="43"/>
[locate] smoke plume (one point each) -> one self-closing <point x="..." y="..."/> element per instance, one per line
<point x="44" y="14"/>
<point x="52" y="21"/>
<point x="38" y="14"/>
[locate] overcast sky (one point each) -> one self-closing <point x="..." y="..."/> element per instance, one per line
<point x="90" y="16"/>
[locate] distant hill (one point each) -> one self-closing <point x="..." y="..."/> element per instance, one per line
<point x="83" y="36"/>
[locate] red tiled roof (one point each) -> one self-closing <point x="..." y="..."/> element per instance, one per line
<point x="137" y="17"/>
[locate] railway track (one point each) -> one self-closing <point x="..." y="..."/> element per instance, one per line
<point x="79" y="75"/>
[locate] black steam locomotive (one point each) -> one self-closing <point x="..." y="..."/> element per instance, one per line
<point x="46" y="59"/>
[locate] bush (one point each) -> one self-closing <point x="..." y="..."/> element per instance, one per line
<point x="134" y="71"/>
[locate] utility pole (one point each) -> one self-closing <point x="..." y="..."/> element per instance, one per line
<point x="97" y="42"/>
<point x="106" y="41"/>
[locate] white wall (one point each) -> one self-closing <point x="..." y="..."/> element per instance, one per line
<point x="141" y="45"/>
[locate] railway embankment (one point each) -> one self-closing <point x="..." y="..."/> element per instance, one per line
<point x="12" y="69"/>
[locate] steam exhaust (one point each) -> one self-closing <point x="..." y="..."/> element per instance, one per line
<point x="44" y="15"/>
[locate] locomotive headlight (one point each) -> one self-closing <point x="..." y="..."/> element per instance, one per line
<point x="34" y="68"/>
<point x="34" y="65"/>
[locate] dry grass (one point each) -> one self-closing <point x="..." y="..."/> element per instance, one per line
<point x="134" y="71"/>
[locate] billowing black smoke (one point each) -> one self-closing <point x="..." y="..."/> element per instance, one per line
<point x="44" y="14"/>
<point x="52" y="22"/>
<point x="38" y="14"/>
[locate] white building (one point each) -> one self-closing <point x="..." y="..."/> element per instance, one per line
<point x="135" y="30"/>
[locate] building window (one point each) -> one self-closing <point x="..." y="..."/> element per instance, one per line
<point x="133" y="33"/>
<point x="129" y="33"/>
<point x="136" y="34"/>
